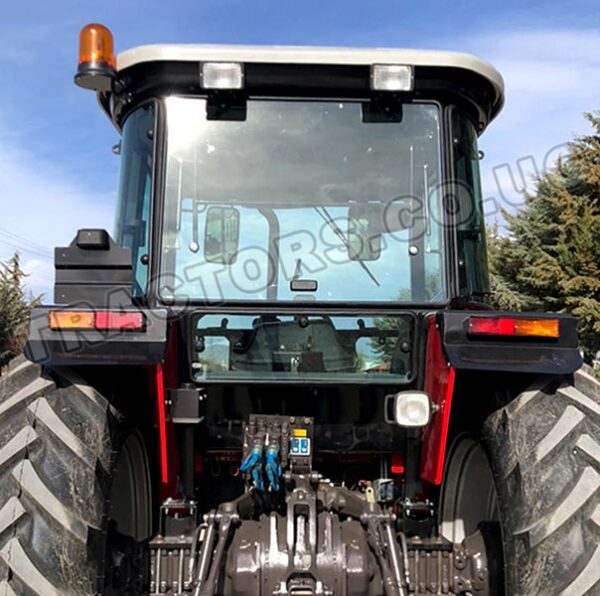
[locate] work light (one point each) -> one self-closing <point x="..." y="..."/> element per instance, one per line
<point x="222" y="75"/>
<point x="391" y="77"/>
<point x="411" y="408"/>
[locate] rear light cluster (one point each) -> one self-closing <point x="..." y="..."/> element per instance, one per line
<point x="509" y="326"/>
<point x="101" y="320"/>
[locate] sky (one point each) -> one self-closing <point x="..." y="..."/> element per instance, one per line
<point x="57" y="170"/>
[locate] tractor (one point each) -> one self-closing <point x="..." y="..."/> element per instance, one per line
<point x="281" y="373"/>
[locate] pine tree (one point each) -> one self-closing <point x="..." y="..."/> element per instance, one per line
<point x="15" y="307"/>
<point x="550" y="259"/>
<point x="505" y="296"/>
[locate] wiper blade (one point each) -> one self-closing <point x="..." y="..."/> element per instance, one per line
<point x="331" y="223"/>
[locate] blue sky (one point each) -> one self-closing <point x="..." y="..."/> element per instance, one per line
<point x="57" y="172"/>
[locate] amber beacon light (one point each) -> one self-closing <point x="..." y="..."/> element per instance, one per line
<point x="97" y="62"/>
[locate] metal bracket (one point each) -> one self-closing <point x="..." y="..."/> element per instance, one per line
<point x="185" y="405"/>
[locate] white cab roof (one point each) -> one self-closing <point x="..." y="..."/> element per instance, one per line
<point x="310" y="55"/>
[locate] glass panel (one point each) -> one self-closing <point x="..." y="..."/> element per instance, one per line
<point x="296" y="171"/>
<point x="472" y="255"/>
<point x="132" y="226"/>
<point x="318" y="348"/>
<point x="222" y="235"/>
<point x="215" y="355"/>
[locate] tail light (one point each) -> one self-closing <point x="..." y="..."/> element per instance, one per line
<point x="517" y="327"/>
<point x="102" y="320"/>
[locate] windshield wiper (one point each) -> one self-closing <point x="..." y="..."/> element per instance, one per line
<point x="331" y="223"/>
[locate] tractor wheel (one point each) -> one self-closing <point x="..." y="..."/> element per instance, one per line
<point x="64" y="457"/>
<point x="543" y="450"/>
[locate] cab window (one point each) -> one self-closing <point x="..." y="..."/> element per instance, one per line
<point x="132" y="226"/>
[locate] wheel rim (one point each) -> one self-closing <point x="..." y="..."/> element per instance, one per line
<point x="130" y="499"/>
<point x="468" y="495"/>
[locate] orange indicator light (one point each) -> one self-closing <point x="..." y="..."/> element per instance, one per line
<point x="70" y="319"/>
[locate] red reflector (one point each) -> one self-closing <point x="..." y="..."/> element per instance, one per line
<point x="512" y="326"/>
<point x="123" y="321"/>
<point x="397" y="464"/>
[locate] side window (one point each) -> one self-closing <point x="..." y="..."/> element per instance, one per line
<point x="472" y="255"/>
<point x="132" y="226"/>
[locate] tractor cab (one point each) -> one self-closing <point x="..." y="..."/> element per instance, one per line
<point x="265" y="175"/>
<point x="299" y="203"/>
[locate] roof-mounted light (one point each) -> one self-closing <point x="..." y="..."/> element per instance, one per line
<point x="222" y="75"/>
<point x="97" y="62"/>
<point x="392" y="77"/>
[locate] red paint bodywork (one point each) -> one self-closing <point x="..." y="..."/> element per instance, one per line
<point x="161" y="419"/>
<point x="439" y="385"/>
<point x="165" y="378"/>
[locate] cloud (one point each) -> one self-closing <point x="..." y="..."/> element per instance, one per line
<point x="545" y="70"/>
<point x="552" y="77"/>
<point x="41" y="207"/>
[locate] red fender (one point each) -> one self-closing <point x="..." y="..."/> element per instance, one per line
<point x="439" y="385"/>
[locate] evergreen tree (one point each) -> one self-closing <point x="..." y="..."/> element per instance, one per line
<point x="15" y="307"/>
<point x="550" y="259"/>
<point x="505" y="296"/>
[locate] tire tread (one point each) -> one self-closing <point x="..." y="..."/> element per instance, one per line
<point x="545" y="452"/>
<point x="53" y="452"/>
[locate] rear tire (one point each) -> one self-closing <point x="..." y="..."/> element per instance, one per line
<point x="464" y="504"/>
<point x="60" y="446"/>
<point x="544" y="449"/>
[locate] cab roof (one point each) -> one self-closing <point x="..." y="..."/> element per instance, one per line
<point x="449" y="62"/>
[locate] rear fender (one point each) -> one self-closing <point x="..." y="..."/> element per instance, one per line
<point x="559" y="356"/>
<point x="72" y="347"/>
<point x="452" y="349"/>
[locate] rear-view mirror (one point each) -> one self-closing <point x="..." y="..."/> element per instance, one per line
<point x="222" y="235"/>
<point x="364" y="232"/>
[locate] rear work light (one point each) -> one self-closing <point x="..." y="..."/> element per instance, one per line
<point x="509" y="326"/>
<point x="100" y="320"/>
<point x="392" y="77"/>
<point x="222" y="75"/>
